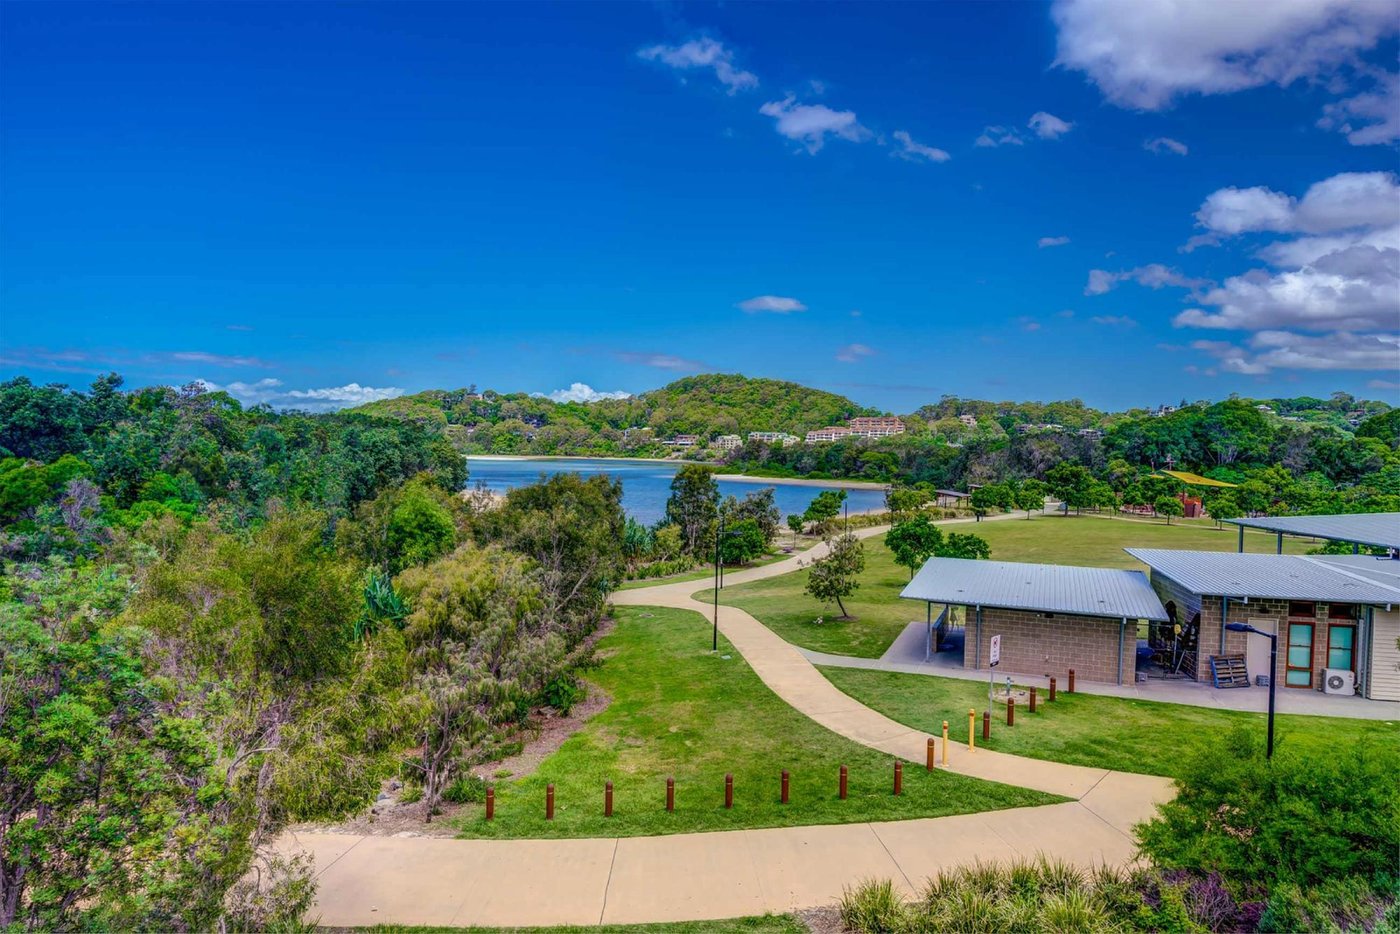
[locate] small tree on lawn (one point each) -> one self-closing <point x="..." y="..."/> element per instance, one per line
<point x="837" y="574"/>
<point x="1168" y="506"/>
<point x="1030" y="496"/>
<point x="795" y="522"/>
<point x="822" y="510"/>
<point x="743" y="541"/>
<point x="913" y="542"/>
<point x="1223" y="506"/>
<point x="904" y="502"/>
<point x="965" y="545"/>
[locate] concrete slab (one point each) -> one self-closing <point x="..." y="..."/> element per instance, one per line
<point x="685" y="877"/>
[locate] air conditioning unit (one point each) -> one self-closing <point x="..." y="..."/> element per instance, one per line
<point x="1338" y="681"/>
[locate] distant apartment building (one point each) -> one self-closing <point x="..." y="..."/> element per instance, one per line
<point x="728" y="442"/>
<point x="830" y="433"/>
<point x="881" y="427"/>
<point x="1164" y="410"/>
<point x="773" y="437"/>
<point x="1091" y="433"/>
<point x="683" y="441"/>
<point x="968" y="420"/>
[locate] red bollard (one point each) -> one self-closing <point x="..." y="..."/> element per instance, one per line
<point x="607" y="799"/>
<point x="986" y="724"/>
<point x="929" y="764"/>
<point x="785" y="786"/>
<point x="1071" y="681"/>
<point x="1052" y="689"/>
<point x="670" y="794"/>
<point x="1011" y="711"/>
<point x="843" y="783"/>
<point x="490" y="802"/>
<point x="898" y="777"/>
<point x="549" y="802"/>
<point x="1033" y="698"/>
<point x="728" y="790"/>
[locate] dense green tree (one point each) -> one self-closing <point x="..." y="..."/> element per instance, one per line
<point x="743" y="542"/>
<point x="905" y="501"/>
<point x="913" y="541"/>
<point x="693" y="506"/>
<point x="1168" y="506"/>
<point x="758" y="506"/>
<point x="823" y="510"/>
<point x="965" y="545"/>
<point x="1030" y="496"/>
<point x="39" y="422"/>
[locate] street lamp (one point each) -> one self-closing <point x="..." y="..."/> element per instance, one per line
<point x="1273" y="674"/>
<point x="719" y="577"/>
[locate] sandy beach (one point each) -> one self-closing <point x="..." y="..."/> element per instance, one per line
<point x="721" y="477"/>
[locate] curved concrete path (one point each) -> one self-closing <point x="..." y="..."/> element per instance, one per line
<point x="507" y="883"/>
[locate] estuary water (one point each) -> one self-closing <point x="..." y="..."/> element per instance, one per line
<point x="647" y="484"/>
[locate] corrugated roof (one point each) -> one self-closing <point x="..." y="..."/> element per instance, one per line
<point x="1045" y="588"/>
<point x="1381" y="529"/>
<point x="1331" y="579"/>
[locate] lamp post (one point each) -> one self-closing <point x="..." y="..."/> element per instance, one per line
<point x="718" y="578"/>
<point x="1273" y="674"/>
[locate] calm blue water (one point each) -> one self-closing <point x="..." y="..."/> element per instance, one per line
<point x="646" y="485"/>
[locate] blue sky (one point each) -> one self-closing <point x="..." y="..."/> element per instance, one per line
<point x="313" y="204"/>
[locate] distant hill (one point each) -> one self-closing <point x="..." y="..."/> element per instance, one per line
<point x="707" y="405"/>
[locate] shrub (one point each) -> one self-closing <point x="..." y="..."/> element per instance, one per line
<point x="563" y="692"/>
<point x="873" y="907"/>
<point x="466" y="789"/>
<point x="1335" y="905"/>
<point x="1303" y="818"/>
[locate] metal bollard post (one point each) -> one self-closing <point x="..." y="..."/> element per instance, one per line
<point x="785" y="786"/>
<point x="986" y="725"/>
<point x="670" y="794"/>
<point x="728" y="790"/>
<point x="490" y="802"/>
<point x="971" y="728"/>
<point x="607" y="799"/>
<point x="843" y="783"/>
<point x="929" y="764"/>
<point x="898" y="777"/>
<point x="549" y="802"/>
<point x="1071" y="681"/>
<point x="1033" y="690"/>
<point x="1011" y="711"/>
<point x="945" y="744"/>
<point x="1052" y="690"/>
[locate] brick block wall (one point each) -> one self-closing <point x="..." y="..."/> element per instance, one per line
<point x="1036" y="644"/>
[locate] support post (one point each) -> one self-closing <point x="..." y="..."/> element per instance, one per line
<point x="1011" y="711"/>
<point x="1278" y="548"/>
<point x="986" y="725"/>
<point x="971" y="729"/>
<point x="607" y="799"/>
<point x="549" y="801"/>
<point x="670" y="794"/>
<point x="842" y="787"/>
<point x="1052" y="690"/>
<point x="1033" y="693"/>
<point x="928" y="765"/>
<point x="1070" y="689"/>
<point x="1241" y="549"/>
<point x="728" y="790"/>
<point x="898" y="777"/>
<point x="490" y="802"/>
<point x="785" y="787"/>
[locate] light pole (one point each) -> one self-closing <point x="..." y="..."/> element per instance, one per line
<point x="1273" y="674"/>
<point x="718" y="578"/>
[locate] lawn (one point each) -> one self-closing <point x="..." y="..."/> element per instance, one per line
<point x="1084" y="729"/>
<point x="781" y="603"/>
<point x="677" y="709"/>
<point x="706" y="572"/>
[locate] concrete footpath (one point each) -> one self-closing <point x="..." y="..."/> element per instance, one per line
<point x="701" y="876"/>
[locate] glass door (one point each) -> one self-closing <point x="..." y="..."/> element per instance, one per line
<point x="1299" y="659"/>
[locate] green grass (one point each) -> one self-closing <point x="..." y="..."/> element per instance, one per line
<point x="707" y="572"/>
<point x="757" y="924"/>
<point x="781" y="604"/>
<point x="678" y="709"/>
<point x="1084" y="729"/>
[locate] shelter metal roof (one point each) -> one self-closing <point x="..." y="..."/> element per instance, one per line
<point x="1044" y="588"/>
<point x="1330" y="579"/>
<point x="1381" y="529"/>
<point x="1194" y="479"/>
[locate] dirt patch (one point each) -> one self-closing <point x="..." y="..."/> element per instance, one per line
<point x="543" y="733"/>
<point x="821" y="920"/>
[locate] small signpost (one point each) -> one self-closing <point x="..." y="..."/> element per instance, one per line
<point x="995" y="658"/>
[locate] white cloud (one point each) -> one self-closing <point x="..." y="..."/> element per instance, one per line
<point x="914" y="151"/>
<point x="772" y="304"/>
<point x="854" y="352"/>
<point x="1114" y="321"/>
<point x="1368" y="118"/>
<point x="582" y="392"/>
<point x="215" y="359"/>
<point x="993" y="136"/>
<point x="1145" y="54"/>
<point x="1153" y="276"/>
<point x="1043" y="242"/>
<point x="1286" y="350"/>
<point x="1048" y="126"/>
<point x="1382" y="384"/>
<point x="1165" y="144"/>
<point x="703" y="53"/>
<point x="662" y="361"/>
<point x="809" y="124"/>
<point x="270" y="392"/>
<point x="1231" y="211"/>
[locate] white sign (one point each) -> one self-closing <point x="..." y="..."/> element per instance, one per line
<point x="996" y="650"/>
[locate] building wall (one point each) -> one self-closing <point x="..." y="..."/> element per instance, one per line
<point x="1385" y="655"/>
<point x="1037" y="644"/>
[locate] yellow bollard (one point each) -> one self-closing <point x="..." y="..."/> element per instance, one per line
<point x="945" y="744"/>
<point x="971" y="728"/>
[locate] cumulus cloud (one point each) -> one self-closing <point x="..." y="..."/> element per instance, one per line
<point x="913" y="151"/>
<point x="1048" y="126"/>
<point x="1153" y="276"/>
<point x="1287" y="350"/>
<point x="271" y="392"/>
<point x="662" y="361"/>
<point x="1043" y="242"/>
<point x="1145" y="55"/>
<point x="1165" y="144"/>
<point x="771" y="304"/>
<point x="582" y="392"/>
<point x="851" y="353"/>
<point x="810" y="124"/>
<point x="704" y="54"/>
<point x="994" y="136"/>
<point x="1368" y="118"/>
<point x="1345" y="201"/>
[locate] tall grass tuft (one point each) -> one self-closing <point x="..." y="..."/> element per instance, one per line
<point x="874" y="907"/>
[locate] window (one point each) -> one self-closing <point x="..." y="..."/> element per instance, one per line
<point x="1305" y="610"/>
<point x="1341" y="643"/>
<point x="1298" y="673"/>
<point x="1343" y="611"/>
